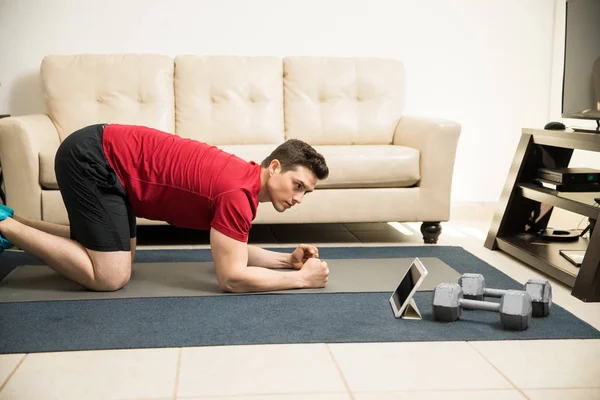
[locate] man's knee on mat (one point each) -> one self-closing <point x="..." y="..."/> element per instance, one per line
<point x="112" y="270"/>
<point x="112" y="282"/>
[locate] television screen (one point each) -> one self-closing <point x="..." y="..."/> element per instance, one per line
<point x="581" y="78"/>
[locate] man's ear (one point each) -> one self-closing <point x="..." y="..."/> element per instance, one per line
<point x="274" y="167"/>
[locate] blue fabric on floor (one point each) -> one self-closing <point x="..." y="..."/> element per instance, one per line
<point x="29" y="327"/>
<point x="5" y="212"/>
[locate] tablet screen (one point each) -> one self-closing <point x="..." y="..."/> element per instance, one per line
<point x="404" y="288"/>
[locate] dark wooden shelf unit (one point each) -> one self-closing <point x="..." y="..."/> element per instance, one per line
<point x="525" y="208"/>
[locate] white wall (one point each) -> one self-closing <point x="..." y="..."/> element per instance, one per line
<point x="484" y="64"/>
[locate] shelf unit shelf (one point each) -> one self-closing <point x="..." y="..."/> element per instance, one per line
<point x="579" y="203"/>
<point x="544" y="255"/>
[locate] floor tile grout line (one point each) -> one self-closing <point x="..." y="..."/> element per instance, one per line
<point x="498" y="370"/>
<point x="177" y="373"/>
<point x="256" y="394"/>
<point x="565" y="388"/>
<point x="434" y="390"/>
<point x="12" y="372"/>
<point x="339" y="369"/>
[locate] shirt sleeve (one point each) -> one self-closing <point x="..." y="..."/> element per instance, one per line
<point x="233" y="215"/>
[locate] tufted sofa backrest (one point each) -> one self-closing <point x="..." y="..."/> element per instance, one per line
<point x="341" y="101"/>
<point x="81" y="90"/>
<point x="229" y="100"/>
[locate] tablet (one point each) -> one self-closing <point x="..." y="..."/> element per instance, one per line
<point x="575" y="257"/>
<point x="402" y="301"/>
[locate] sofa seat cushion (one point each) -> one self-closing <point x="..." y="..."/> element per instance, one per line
<point x="352" y="166"/>
<point x="47" y="174"/>
<point x="370" y="166"/>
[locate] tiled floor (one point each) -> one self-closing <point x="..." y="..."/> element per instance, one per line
<point x="553" y="369"/>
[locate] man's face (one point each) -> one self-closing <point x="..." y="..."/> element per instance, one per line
<point x="288" y="188"/>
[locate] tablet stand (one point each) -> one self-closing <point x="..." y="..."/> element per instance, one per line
<point x="411" y="311"/>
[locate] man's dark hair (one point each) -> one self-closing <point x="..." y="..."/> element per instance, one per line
<point x="295" y="152"/>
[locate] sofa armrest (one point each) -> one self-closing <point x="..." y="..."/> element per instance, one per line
<point x="436" y="140"/>
<point x="22" y="139"/>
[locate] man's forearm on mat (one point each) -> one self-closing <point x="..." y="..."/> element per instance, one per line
<point x="258" y="279"/>
<point x="268" y="259"/>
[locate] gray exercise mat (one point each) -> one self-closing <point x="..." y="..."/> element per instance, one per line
<point x="185" y="279"/>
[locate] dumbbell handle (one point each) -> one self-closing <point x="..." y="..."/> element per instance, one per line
<point x="494" y="292"/>
<point x="479" y="305"/>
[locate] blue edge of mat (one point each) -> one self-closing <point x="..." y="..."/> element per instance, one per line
<point x="29" y="327"/>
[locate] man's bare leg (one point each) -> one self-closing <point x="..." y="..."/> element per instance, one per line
<point x="48" y="227"/>
<point x="102" y="271"/>
<point x="59" y="230"/>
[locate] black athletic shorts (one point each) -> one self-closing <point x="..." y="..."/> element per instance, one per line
<point x="99" y="212"/>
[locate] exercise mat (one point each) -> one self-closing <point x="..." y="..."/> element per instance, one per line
<point x="47" y="326"/>
<point x="190" y="279"/>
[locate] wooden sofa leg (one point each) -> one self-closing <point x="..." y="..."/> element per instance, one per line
<point x="431" y="232"/>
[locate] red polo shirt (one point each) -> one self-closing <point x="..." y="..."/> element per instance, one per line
<point x="184" y="182"/>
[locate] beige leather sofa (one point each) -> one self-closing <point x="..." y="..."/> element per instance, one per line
<point x="384" y="166"/>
